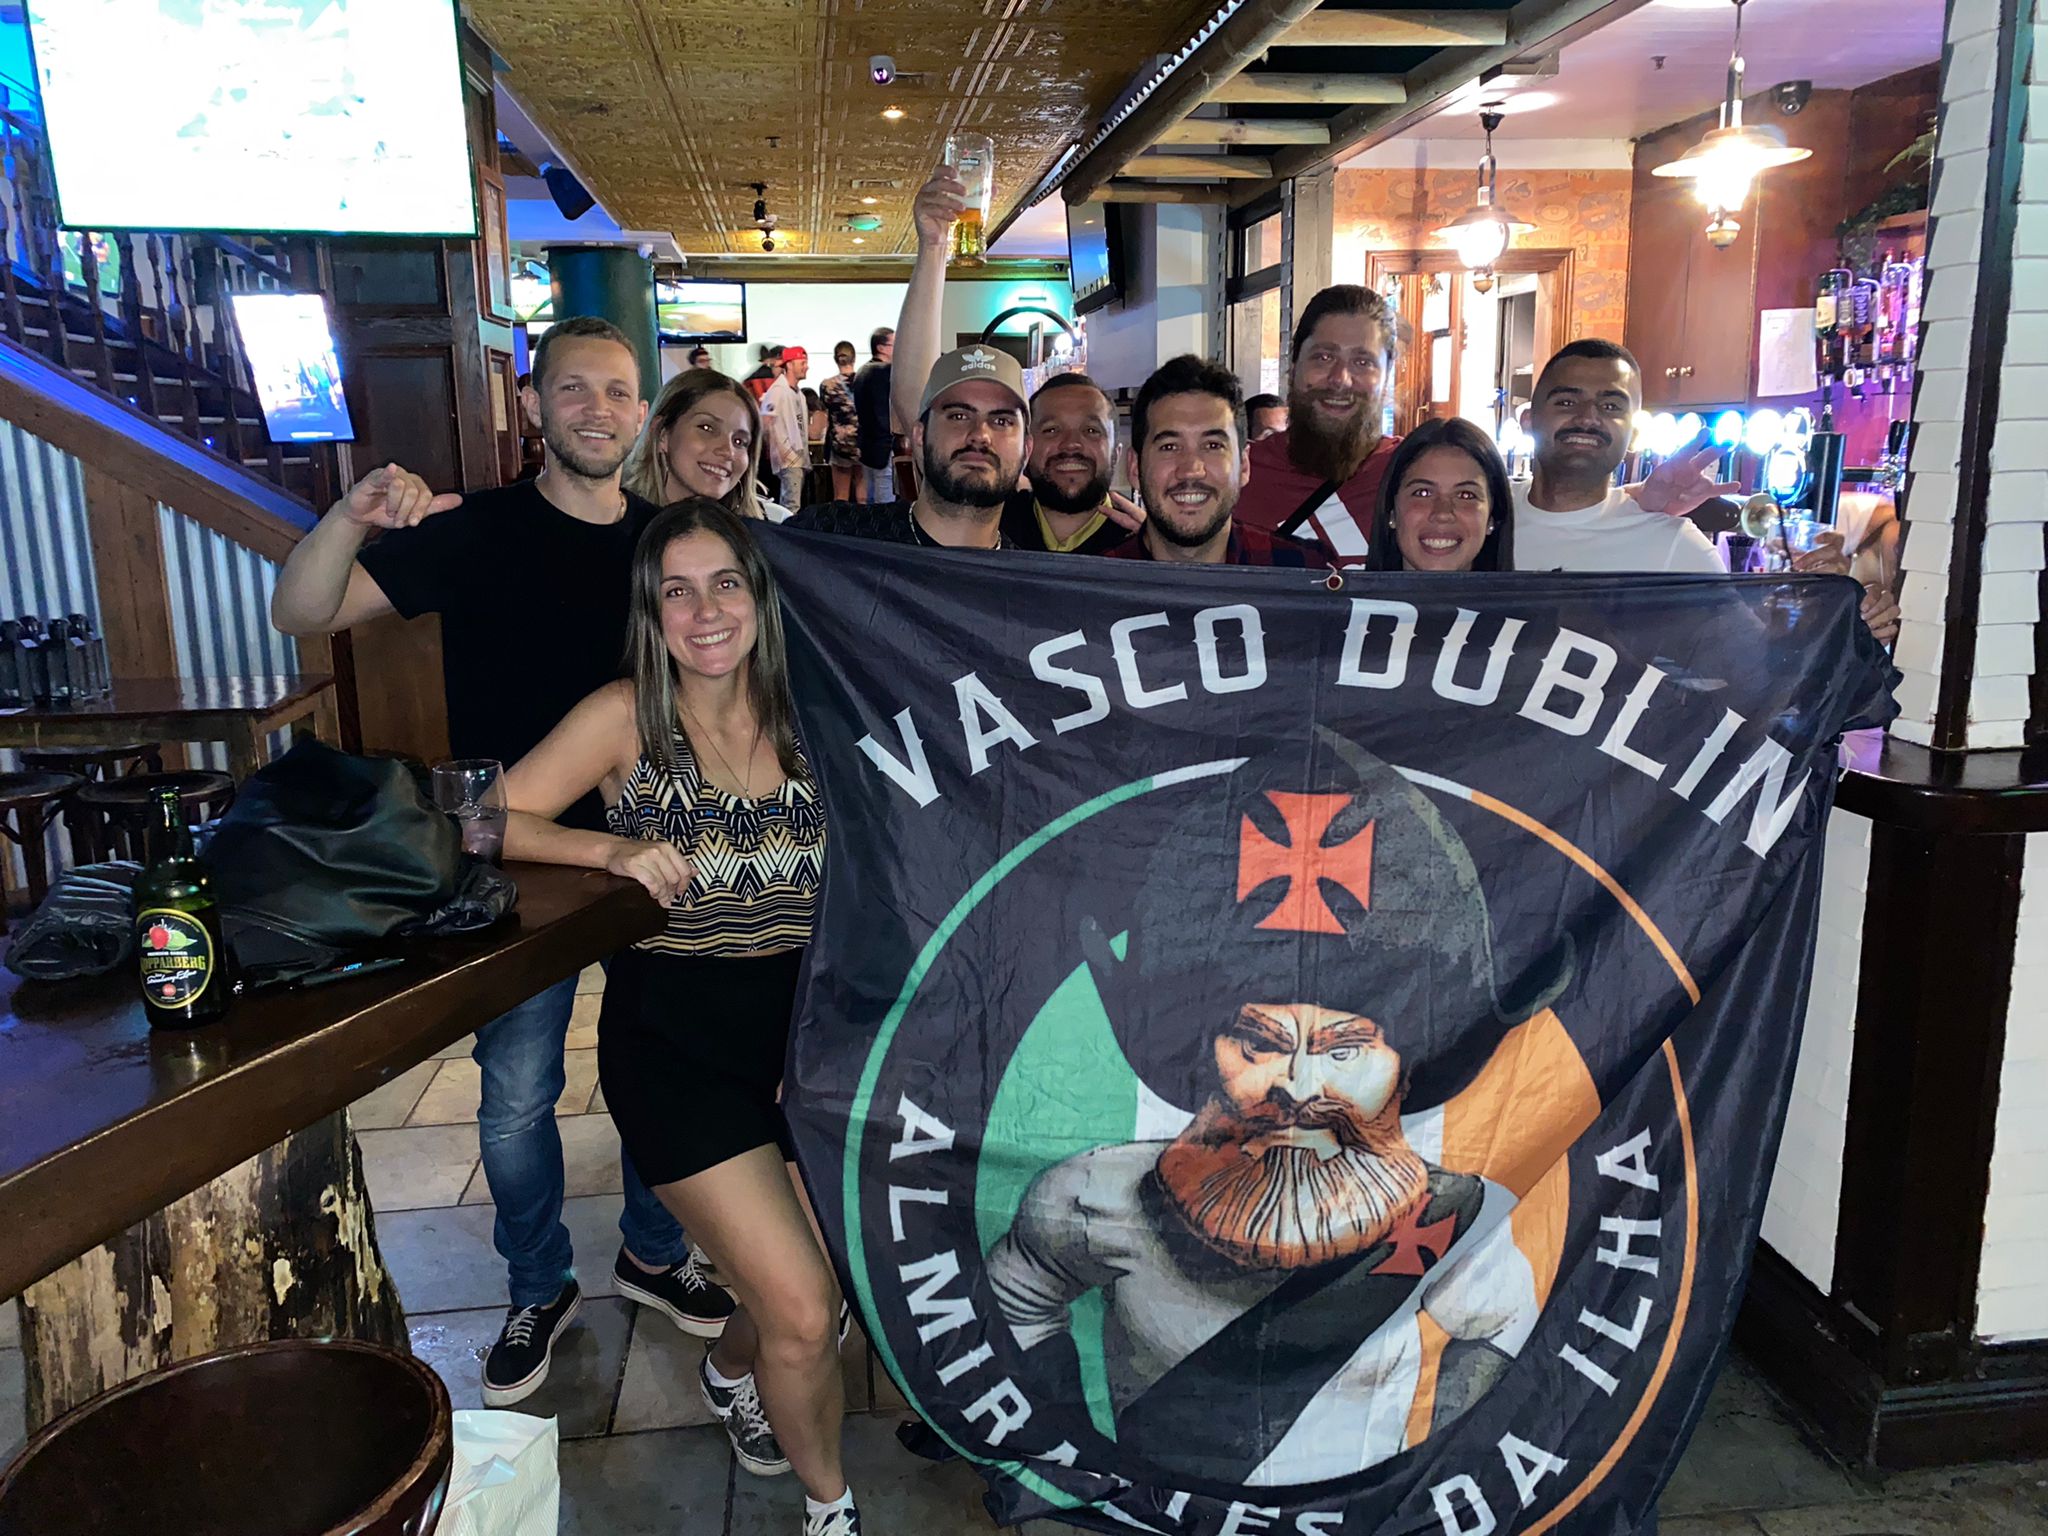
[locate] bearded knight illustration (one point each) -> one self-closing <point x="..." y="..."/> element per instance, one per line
<point x="1309" y="962"/>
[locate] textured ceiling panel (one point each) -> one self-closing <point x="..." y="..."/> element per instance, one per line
<point x="670" y="108"/>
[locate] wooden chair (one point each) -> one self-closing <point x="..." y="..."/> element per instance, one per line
<point x="94" y="765"/>
<point x="29" y="801"/>
<point x="119" y="811"/>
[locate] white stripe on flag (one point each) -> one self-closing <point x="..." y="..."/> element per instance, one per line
<point x="1339" y="529"/>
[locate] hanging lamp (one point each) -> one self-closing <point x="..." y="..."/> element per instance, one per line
<point x="1481" y="233"/>
<point x="1724" y="164"/>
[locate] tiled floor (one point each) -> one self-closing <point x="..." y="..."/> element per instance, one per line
<point x="639" y="1457"/>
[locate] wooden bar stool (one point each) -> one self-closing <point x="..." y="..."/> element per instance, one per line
<point x="28" y="803"/>
<point x="94" y="765"/>
<point x="119" y="811"/>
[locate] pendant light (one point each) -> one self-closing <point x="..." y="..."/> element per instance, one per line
<point x="1722" y="165"/>
<point x="1482" y="232"/>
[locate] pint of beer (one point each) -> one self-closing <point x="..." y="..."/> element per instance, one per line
<point x="972" y="157"/>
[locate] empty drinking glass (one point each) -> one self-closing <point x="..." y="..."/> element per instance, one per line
<point x="472" y="790"/>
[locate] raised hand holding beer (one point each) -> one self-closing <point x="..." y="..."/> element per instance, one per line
<point x="393" y="498"/>
<point x="937" y="205"/>
<point x="972" y="159"/>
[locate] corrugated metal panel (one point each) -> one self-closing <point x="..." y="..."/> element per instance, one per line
<point x="45" y="543"/>
<point x="220" y="604"/>
<point x="220" y="592"/>
<point x="220" y="612"/>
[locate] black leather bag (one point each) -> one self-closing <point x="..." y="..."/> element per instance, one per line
<point x="84" y="927"/>
<point x="325" y="855"/>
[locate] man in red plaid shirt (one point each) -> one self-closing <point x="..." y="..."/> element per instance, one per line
<point x="1188" y="461"/>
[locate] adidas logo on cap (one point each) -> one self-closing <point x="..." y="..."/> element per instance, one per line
<point x="978" y="358"/>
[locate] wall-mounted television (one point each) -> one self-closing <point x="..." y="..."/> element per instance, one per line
<point x="1095" y="255"/>
<point x="688" y="310"/>
<point x="291" y="353"/>
<point x="314" y="116"/>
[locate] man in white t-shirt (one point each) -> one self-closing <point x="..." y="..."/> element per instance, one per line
<point x="1571" y="516"/>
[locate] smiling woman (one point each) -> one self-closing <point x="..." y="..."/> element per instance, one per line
<point x="1445" y="504"/>
<point x="703" y="438"/>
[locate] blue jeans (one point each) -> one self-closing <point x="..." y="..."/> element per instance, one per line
<point x="881" y="482"/>
<point x="790" y="488"/>
<point x="523" y="1074"/>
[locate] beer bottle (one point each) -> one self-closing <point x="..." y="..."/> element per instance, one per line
<point x="187" y="974"/>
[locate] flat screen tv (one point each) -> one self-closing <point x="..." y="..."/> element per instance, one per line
<point x="310" y="116"/>
<point x="689" y="310"/>
<point x="1095" y="255"/>
<point x="290" y="347"/>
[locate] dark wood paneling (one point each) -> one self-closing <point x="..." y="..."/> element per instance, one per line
<point x="1664" y="221"/>
<point x="1995" y="1405"/>
<point x="404" y="404"/>
<point x="1939" y="931"/>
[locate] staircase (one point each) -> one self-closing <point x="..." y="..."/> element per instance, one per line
<point x="143" y="318"/>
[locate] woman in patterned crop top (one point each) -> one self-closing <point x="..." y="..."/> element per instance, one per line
<point x="713" y="811"/>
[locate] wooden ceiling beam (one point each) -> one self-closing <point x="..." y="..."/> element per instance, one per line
<point x="1234" y="168"/>
<point x="1319" y="90"/>
<point x="1245" y="130"/>
<point x="1534" y="25"/>
<point x="1239" y="39"/>
<point x="1157" y="192"/>
<point x="1398" y="29"/>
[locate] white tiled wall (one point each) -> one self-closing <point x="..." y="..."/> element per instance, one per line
<point x="2015" y="547"/>
<point x="2012" y="1292"/>
<point x="1806" y="1190"/>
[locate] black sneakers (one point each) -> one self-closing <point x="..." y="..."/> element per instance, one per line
<point x="746" y="1424"/>
<point x="692" y="1300"/>
<point x="518" y="1363"/>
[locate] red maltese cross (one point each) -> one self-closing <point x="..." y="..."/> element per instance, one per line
<point x="1302" y="861"/>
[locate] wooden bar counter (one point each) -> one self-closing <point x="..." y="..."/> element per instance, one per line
<point x="103" y="1122"/>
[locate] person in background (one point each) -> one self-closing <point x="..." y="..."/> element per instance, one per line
<point x="532" y="454"/>
<point x="1445" y="504"/>
<point x="700" y="357"/>
<point x="875" y="431"/>
<point x="1188" y="459"/>
<point x="843" y="434"/>
<point x="968" y="443"/>
<point x="712" y="809"/>
<point x="1264" y="415"/>
<point x="1572" y="516"/>
<point x="1321" y="473"/>
<point x="559" y="547"/>
<point x="768" y="371"/>
<point x="786" y="427"/>
<point x="703" y="438"/>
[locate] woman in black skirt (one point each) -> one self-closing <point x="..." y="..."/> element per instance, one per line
<point x="713" y="811"/>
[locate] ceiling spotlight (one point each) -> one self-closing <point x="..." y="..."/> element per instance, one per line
<point x="768" y="242"/>
<point x="860" y="239"/>
<point x="892" y="113"/>
<point x="868" y="201"/>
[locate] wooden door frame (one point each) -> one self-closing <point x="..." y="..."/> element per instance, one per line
<point x="1552" y="266"/>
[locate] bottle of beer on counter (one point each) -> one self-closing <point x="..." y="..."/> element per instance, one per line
<point x="186" y="972"/>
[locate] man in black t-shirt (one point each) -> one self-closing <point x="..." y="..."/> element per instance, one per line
<point x="531" y="583"/>
<point x="875" y="432"/>
<point x="969" y="447"/>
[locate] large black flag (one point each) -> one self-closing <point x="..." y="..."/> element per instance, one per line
<point x="1284" y="1055"/>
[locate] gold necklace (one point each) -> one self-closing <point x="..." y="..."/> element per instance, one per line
<point x="746" y="780"/>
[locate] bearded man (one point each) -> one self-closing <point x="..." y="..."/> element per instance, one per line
<point x="1309" y="960"/>
<point x="1321" y="475"/>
